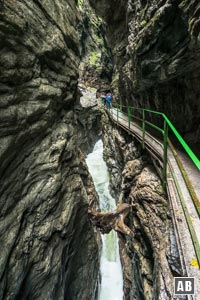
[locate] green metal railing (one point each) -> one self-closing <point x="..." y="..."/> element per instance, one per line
<point x="166" y="125"/>
<point x="127" y="110"/>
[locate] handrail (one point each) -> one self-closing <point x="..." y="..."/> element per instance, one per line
<point x="166" y="142"/>
<point x="186" y="147"/>
<point x="183" y="143"/>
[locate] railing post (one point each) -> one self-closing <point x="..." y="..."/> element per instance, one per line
<point x="165" y="143"/>
<point x="129" y="118"/>
<point x="143" y="129"/>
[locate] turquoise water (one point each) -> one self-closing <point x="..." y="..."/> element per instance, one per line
<point x="111" y="271"/>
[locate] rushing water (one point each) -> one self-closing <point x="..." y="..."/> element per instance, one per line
<point x="111" y="271"/>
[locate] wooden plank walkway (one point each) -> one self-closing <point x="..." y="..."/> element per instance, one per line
<point x="180" y="199"/>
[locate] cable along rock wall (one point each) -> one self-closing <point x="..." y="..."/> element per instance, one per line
<point x="49" y="249"/>
<point x="150" y="258"/>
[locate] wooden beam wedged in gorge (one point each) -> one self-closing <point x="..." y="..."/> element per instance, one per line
<point x="106" y="221"/>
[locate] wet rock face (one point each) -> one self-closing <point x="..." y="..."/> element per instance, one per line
<point x="150" y="258"/>
<point x="49" y="250"/>
<point x="88" y="120"/>
<point x="96" y="62"/>
<point x="156" y="46"/>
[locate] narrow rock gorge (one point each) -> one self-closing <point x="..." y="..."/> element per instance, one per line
<point x="155" y="47"/>
<point x="56" y="58"/>
<point x="156" y="50"/>
<point x="96" y="64"/>
<point x="149" y="255"/>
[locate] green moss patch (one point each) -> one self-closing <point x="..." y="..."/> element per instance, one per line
<point x="94" y="59"/>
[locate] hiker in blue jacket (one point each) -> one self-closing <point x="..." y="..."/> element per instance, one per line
<point x="108" y="100"/>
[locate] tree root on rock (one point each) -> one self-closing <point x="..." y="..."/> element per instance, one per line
<point x="106" y="221"/>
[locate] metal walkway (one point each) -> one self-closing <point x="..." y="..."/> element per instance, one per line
<point x="181" y="179"/>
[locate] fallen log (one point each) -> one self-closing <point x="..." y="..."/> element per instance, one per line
<point x="106" y="221"/>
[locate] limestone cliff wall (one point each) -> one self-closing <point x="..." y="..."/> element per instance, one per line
<point x="156" y="48"/>
<point x="150" y="259"/>
<point x="49" y="250"/>
<point x="96" y="61"/>
<point x="88" y="120"/>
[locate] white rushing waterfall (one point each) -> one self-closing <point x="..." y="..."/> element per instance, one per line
<point x="111" y="271"/>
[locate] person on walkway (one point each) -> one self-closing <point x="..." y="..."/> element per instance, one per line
<point x="108" y="100"/>
<point x="103" y="98"/>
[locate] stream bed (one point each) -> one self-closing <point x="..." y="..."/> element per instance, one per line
<point x="111" y="271"/>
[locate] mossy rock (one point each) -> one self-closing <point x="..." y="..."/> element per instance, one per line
<point x="143" y="23"/>
<point x="80" y="3"/>
<point x="94" y="59"/>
